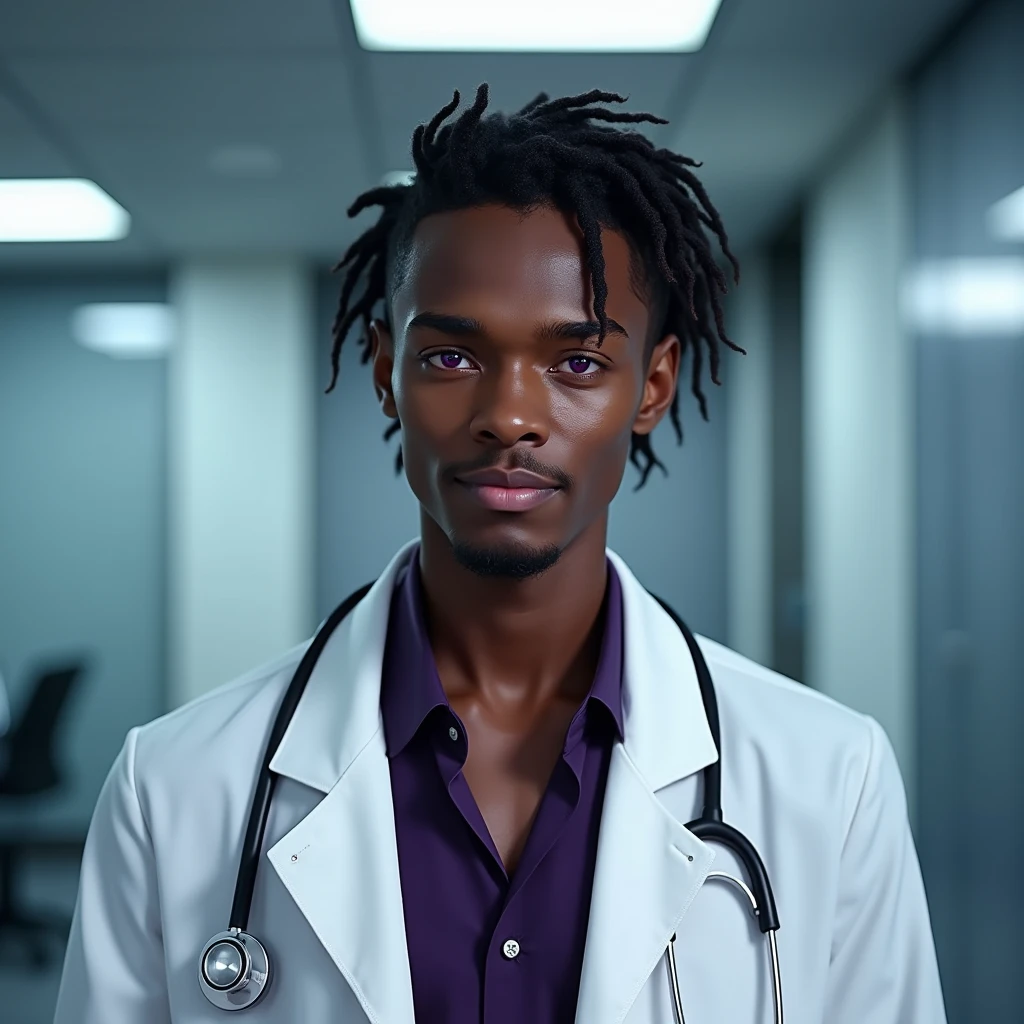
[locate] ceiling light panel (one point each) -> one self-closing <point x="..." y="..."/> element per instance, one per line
<point x="124" y="330"/>
<point x="966" y="297"/>
<point x="640" y="26"/>
<point x="59" y="210"/>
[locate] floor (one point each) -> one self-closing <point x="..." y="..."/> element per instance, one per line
<point x="28" y="995"/>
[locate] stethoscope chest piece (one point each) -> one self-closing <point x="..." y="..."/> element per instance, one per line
<point x="234" y="970"/>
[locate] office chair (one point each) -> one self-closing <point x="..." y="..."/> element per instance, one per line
<point x="30" y="770"/>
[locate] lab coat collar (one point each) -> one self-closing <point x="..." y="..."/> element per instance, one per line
<point x="666" y="732"/>
<point x="667" y="736"/>
<point x="649" y="866"/>
<point x="339" y="712"/>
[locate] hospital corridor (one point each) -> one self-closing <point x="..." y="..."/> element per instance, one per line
<point x="185" y="498"/>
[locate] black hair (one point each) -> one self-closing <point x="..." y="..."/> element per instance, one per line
<point x="565" y="153"/>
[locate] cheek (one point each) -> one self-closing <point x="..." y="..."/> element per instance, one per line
<point x="433" y="431"/>
<point x="597" y="426"/>
<point x="434" y="415"/>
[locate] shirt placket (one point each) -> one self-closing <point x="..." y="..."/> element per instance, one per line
<point x="512" y="979"/>
<point x="451" y="749"/>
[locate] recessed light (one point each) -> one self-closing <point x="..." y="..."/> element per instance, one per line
<point x="671" y="26"/>
<point x="967" y="297"/>
<point x="59" y="210"/>
<point x="1006" y="218"/>
<point x="124" y="330"/>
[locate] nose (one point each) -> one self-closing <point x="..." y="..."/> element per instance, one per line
<point x="512" y="408"/>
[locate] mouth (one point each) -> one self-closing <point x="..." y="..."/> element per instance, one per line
<point x="516" y="490"/>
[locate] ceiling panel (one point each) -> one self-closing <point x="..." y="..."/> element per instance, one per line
<point x="233" y="95"/>
<point x="185" y="204"/>
<point x="156" y="26"/>
<point x="410" y="88"/>
<point x="133" y="252"/>
<point x="140" y="93"/>
<point x="874" y="30"/>
<point x="24" y="151"/>
<point x="772" y="118"/>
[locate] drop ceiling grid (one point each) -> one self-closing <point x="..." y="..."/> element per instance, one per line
<point x="110" y="27"/>
<point x="410" y="88"/>
<point x="145" y="91"/>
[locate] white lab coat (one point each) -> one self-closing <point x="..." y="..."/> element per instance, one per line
<point x="813" y="785"/>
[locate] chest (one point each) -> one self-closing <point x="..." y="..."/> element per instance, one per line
<point x="496" y="884"/>
<point x="508" y="766"/>
<point x="333" y="917"/>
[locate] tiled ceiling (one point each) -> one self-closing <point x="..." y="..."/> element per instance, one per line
<point x="138" y="95"/>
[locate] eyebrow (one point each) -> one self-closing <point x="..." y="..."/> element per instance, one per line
<point x="557" y="330"/>
<point x="580" y="330"/>
<point x="446" y="324"/>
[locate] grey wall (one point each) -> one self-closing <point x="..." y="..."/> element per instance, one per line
<point x="787" y="400"/>
<point x="857" y="430"/>
<point x="672" y="532"/>
<point x="968" y="151"/>
<point x="363" y="511"/>
<point x="81" y="524"/>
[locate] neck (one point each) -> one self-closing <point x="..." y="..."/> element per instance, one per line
<point x="532" y="640"/>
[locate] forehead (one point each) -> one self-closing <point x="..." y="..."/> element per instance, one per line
<point x="508" y="261"/>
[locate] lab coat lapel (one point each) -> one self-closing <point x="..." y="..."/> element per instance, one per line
<point x="340" y="862"/>
<point x="340" y="865"/>
<point x="649" y="866"/>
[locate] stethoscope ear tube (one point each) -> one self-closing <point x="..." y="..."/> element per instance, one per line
<point x="252" y="845"/>
<point x="234" y="967"/>
<point x="710" y="826"/>
<point x="746" y="853"/>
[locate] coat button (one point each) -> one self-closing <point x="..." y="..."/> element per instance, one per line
<point x="510" y="950"/>
<point x="453" y="733"/>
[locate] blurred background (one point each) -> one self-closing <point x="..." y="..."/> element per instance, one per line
<point x="179" y="501"/>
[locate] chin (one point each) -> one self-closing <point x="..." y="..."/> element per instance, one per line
<point x="513" y="560"/>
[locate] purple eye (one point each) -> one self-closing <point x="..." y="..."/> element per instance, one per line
<point x="446" y="360"/>
<point x="579" y="364"/>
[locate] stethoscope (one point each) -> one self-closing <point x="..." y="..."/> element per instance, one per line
<point x="234" y="969"/>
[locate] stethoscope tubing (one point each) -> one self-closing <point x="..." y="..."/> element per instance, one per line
<point x="773" y="955"/>
<point x="259" y="811"/>
<point x="710" y="826"/>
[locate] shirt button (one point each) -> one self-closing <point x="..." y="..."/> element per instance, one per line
<point x="510" y="950"/>
<point x="453" y="733"/>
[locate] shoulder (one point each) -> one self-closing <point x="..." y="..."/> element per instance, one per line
<point x="222" y="732"/>
<point x="809" y="745"/>
<point x="775" y="702"/>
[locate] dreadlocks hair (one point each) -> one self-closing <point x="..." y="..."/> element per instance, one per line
<point x="566" y="153"/>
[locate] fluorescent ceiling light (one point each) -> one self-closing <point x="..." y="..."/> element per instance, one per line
<point x="1006" y="218"/>
<point x="530" y="25"/>
<point x="124" y="330"/>
<point x="967" y="297"/>
<point x="59" y="210"/>
<point x="398" y="178"/>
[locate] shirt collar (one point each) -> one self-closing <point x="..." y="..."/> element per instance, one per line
<point x="410" y="685"/>
<point x="411" y="688"/>
<point x="607" y="685"/>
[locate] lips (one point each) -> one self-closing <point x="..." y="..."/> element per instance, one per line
<point x="508" y="490"/>
<point x="511" y="478"/>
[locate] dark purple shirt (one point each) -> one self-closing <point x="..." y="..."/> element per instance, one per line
<point x="486" y="948"/>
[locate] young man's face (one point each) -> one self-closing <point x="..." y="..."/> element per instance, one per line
<point x="492" y="370"/>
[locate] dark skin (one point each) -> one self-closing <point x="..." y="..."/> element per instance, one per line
<point x="494" y="372"/>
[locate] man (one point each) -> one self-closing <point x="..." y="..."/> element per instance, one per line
<point x="482" y="797"/>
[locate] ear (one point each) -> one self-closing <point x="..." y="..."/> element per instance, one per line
<point x="660" y="386"/>
<point x="382" y="357"/>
